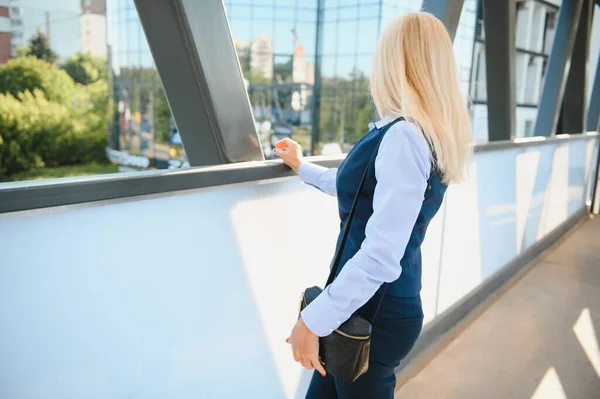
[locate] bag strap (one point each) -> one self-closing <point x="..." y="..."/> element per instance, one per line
<point x="338" y="254"/>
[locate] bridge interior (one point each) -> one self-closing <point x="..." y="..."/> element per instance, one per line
<point x="170" y="284"/>
<point x="538" y="339"/>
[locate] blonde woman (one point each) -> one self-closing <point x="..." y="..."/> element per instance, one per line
<point x="411" y="155"/>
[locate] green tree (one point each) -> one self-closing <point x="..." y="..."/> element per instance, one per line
<point x="86" y="68"/>
<point x="21" y="51"/>
<point x="29" y="73"/>
<point x="345" y="104"/>
<point x="39" y="47"/>
<point x="162" y="113"/>
<point x="35" y="132"/>
<point x="29" y="126"/>
<point x="244" y="58"/>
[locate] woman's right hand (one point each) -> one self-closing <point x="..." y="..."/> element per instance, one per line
<point x="290" y="152"/>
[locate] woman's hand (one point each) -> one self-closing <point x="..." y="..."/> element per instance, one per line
<point x="305" y="346"/>
<point x="290" y="152"/>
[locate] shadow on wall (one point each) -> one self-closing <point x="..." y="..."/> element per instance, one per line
<point x="540" y="340"/>
<point x="497" y="205"/>
<point x="140" y="298"/>
<point x="520" y="195"/>
<point x="193" y="294"/>
<point x="284" y="250"/>
<point x="525" y="194"/>
<point x="534" y="194"/>
<point x="556" y="312"/>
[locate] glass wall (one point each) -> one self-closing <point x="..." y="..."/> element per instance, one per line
<point x="141" y="130"/>
<point x="350" y="32"/>
<point x="535" y="26"/>
<point x="128" y="123"/>
<point x="53" y="89"/>
<point x="276" y="45"/>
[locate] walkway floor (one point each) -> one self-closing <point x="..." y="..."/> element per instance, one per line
<point x="538" y="340"/>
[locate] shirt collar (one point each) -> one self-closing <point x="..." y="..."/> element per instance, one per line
<point x="381" y="123"/>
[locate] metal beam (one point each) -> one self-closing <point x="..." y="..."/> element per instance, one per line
<point x="448" y="11"/>
<point x="316" y="95"/>
<point x="575" y="97"/>
<point x="593" y="114"/>
<point x="25" y="195"/>
<point x="558" y="67"/>
<point x="194" y="53"/>
<point x="500" y="49"/>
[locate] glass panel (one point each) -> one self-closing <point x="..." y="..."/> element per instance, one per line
<point x="369" y="10"/>
<point x="328" y="66"/>
<point x="593" y="52"/>
<point x="264" y="13"/>
<point x="348" y="12"/>
<point x="307" y="15"/>
<point x="105" y="109"/>
<point x="369" y="31"/>
<point x="348" y="31"/>
<point x="276" y="43"/>
<point x="239" y="11"/>
<point x="330" y="38"/>
<point x="284" y="13"/>
<point x="306" y="37"/>
<point x="142" y="131"/>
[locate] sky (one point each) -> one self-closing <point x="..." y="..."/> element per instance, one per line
<point x="53" y="5"/>
<point x="64" y="32"/>
<point x="351" y="28"/>
<point x="350" y="31"/>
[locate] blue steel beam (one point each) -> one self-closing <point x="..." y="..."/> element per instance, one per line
<point x="448" y="11"/>
<point x="500" y="48"/>
<point x="194" y="53"/>
<point x="593" y="114"/>
<point x="558" y="67"/>
<point x="575" y="97"/>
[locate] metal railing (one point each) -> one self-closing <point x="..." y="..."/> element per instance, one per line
<point x="27" y="195"/>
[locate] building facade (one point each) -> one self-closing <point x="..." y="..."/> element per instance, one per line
<point x="59" y="22"/>
<point x="5" y="32"/>
<point x="92" y="22"/>
<point x="307" y="64"/>
<point x="535" y="26"/>
<point x="141" y="130"/>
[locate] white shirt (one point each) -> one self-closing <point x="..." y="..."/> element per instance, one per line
<point x="402" y="168"/>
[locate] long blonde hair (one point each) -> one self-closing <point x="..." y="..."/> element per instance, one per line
<point x="414" y="76"/>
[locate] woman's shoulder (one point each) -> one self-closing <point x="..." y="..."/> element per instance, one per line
<point x="404" y="135"/>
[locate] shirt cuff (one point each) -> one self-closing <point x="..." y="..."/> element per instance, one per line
<point x="310" y="173"/>
<point x="320" y="315"/>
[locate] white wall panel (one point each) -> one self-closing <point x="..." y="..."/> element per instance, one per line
<point x="192" y="294"/>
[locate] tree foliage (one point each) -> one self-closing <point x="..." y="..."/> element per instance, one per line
<point x="51" y="116"/>
<point x="48" y="120"/>
<point x="30" y="73"/>
<point x="345" y="104"/>
<point x="142" y="89"/>
<point x="39" y="47"/>
<point x="86" y="68"/>
<point x="36" y="132"/>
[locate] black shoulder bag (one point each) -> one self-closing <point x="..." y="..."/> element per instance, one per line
<point x="344" y="353"/>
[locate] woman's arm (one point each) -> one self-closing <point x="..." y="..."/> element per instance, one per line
<point x="402" y="168"/>
<point x="318" y="176"/>
<point x="322" y="178"/>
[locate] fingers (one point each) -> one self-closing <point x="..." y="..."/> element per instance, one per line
<point x="284" y="143"/>
<point x="318" y="366"/>
<point x="281" y="151"/>
<point x="310" y="363"/>
<point x="306" y="363"/>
